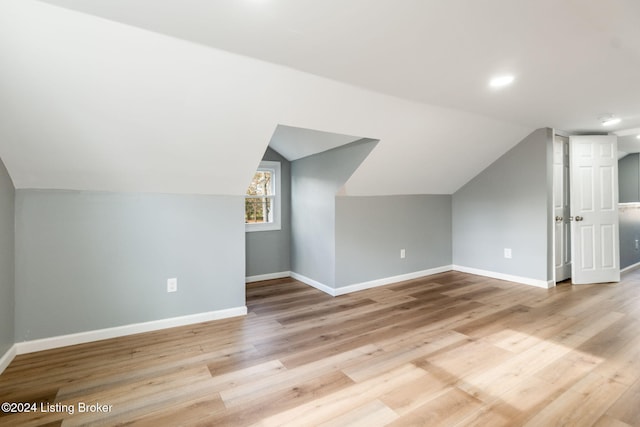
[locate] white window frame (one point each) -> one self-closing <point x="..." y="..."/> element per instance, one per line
<point x="274" y="168"/>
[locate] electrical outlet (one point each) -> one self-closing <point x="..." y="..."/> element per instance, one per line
<point x="403" y="254"/>
<point x="172" y="285"/>
<point x="507" y="253"/>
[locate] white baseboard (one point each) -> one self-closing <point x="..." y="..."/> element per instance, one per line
<point x="508" y="277"/>
<point x="6" y="358"/>
<point x="120" y="331"/>
<point x="370" y="284"/>
<point x="409" y="276"/>
<point x="631" y="267"/>
<point x="320" y="286"/>
<point x="270" y="276"/>
<point x="388" y="280"/>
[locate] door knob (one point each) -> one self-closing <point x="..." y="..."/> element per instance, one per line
<point x="558" y="218"/>
<point x="579" y="218"/>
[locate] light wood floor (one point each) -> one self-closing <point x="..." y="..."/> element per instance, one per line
<point x="451" y="349"/>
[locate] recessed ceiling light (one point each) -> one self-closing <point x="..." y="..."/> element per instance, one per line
<point x="501" y="81"/>
<point x="638" y="137"/>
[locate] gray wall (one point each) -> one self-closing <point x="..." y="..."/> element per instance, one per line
<point x="507" y="206"/>
<point x="629" y="191"/>
<point x="629" y="178"/>
<point x="270" y="251"/>
<point x="629" y="233"/>
<point x="88" y="260"/>
<point x="314" y="183"/>
<point x="7" y="282"/>
<point x="370" y="231"/>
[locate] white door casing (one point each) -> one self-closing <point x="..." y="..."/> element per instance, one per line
<point x="594" y="208"/>
<point x="561" y="208"/>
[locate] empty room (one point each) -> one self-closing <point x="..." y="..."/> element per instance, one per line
<point x="305" y="212"/>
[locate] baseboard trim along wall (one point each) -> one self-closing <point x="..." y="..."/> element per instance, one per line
<point x="388" y="280"/>
<point x="370" y="284"/>
<point x="120" y="331"/>
<point x="631" y="267"/>
<point x="6" y="358"/>
<point x="270" y="276"/>
<point x="320" y="286"/>
<point x="508" y="277"/>
<point x="408" y="276"/>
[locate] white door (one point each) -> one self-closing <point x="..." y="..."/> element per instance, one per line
<point x="561" y="212"/>
<point x="594" y="208"/>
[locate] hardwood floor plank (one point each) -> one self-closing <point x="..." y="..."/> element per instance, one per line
<point x="606" y="421"/>
<point x="624" y="365"/>
<point x="525" y="332"/>
<point x="238" y="394"/>
<point x="568" y="369"/>
<point x="514" y="406"/>
<point x="582" y="405"/>
<point x="274" y="401"/>
<point x="627" y="407"/>
<point x="416" y="393"/>
<point x="470" y="357"/>
<point x="338" y="403"/>
<point x="184" y="413"/>
<point x="367" y="415"/>
<point x="445" y="410"/>
<point x="397" y="354"/>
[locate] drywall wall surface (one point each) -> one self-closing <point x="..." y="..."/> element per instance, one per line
<point x="89" y="260"/>
<point x="270" y="251"/>
<point x="7" y="279"/>
<point x="629" y="178"/>
<point x="629" y="235"/>
<point x="315" y="180"/>
<point x="371" y="232"/>
<point x="506" y="206"/>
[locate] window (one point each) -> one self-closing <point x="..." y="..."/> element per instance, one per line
<point x="262" y="201"/>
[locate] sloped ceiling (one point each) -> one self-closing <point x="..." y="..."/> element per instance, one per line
<point x="574" y="59"/>
<point x="184" y="95"/>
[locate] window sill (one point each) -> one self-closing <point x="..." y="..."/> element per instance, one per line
<point x="261" y="227"/>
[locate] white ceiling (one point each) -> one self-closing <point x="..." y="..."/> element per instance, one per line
<point x="573" y="59"/>
<point x="115" y="95"/>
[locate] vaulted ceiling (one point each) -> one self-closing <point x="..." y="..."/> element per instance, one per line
<point x="184" y="95"/>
